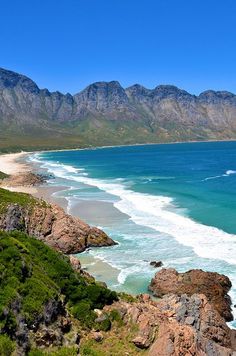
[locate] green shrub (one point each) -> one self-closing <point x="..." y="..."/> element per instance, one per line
<point x="36" y="353"/>
<point x="63" y="351"/>
<point x="104" y="325"/>
<point x="7" y="346"/>
<point x="3" y="175"/>
<point x="115" y="316"/>
<point x="83" y="312"/>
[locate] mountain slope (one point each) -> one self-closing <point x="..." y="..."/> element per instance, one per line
<point x="104" y="113"/>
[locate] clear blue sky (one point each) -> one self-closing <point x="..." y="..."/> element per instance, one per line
<point x="67" y="44"/>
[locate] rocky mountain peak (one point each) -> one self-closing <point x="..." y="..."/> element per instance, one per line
<point x="169" y="91"/>
<point x="102" y="95"/>
<point x="137" y="89"/>
<point x="216" y="96"/>
<point x="11" y="80"/>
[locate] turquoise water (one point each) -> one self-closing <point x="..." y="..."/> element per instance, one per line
<point x="175" y="203"/>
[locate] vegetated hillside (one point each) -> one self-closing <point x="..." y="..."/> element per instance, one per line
<point x="38" y="288"/>
<point x="106" y="114"/>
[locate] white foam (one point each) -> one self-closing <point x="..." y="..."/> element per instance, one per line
<point x="214" y="177"/>
<point x="125" y="272"/>
<point x="152" y="211"/>
<point x="226" y="174"/>
<point x="229" y="172"/>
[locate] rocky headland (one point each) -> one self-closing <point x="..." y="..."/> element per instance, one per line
<point x="48" y="223"/>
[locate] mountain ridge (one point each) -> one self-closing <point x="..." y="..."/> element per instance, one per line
<point x="23" y="76"/>
<point x="105" y="113"/>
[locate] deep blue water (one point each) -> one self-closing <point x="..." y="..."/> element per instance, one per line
<point x="179" y="201"/>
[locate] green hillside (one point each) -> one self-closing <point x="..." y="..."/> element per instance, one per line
<point x="33" y="275"/>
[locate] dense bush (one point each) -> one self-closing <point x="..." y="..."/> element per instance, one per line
<point x="31" y="274"/>
<point x="3" y="175"/>
<point x="7" y="346"/>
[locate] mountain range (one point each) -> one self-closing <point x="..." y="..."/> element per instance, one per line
<point x="105" y="113"/>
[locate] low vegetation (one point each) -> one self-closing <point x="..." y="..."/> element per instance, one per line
<point x="31" y="275"/>
<point x="3" y="175"/>
<point x="25" y="200"/>
<point x="116" y="342"/>
<point x="22" y="199"/>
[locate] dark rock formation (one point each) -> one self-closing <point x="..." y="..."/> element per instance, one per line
<point x="163" y="114"/>
<point x="213" y="285"/>
<point x="156" y="264"/>
<point x="52" y="225"/>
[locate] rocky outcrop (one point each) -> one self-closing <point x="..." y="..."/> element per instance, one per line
<point x="26" y="179"/>
<point x="165" y="113"/>
<point x="177" y="325"/>
<point x="52" y="225"/>
<point x="156" y="264"/>
<point x="51" y="321"/>
<point x="213" y="285"/>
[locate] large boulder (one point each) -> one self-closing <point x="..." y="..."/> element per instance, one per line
<point x="213" y="285"/>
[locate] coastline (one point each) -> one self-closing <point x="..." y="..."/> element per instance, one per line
<point x="90" y="210"/>
<point x="113" y="146"/>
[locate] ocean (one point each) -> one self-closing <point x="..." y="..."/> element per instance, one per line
<point x="174" y="203"/>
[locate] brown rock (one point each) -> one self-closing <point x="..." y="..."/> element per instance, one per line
<point x="213" y="285"/>
<point x="52" y="225"/>
<point x="65" y="324"/>
<point x="97" y="336"/>
<point x="75" y="263"/>
<point x="47" y="337"/>
<point x="26" y="179"/>
<point x="178" y="326"/>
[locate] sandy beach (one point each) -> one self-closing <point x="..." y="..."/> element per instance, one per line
<point x="11" y="164"/>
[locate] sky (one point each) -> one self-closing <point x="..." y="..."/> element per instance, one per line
<point x="66" y="45"/>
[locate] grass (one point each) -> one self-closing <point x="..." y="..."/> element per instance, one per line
<point x="63" y="351"/>
<point x="98" y="131"/>
<point x="22" y="199"/>
<point x="7" y="346"/>
<point x="116" y="342"/>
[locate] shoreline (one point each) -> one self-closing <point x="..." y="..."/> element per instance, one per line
<point x="9" y="163"/>
<point x="114" y="146"/>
